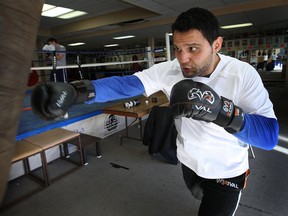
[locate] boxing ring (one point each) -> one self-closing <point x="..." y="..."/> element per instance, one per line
<point x="81" y="64"/>
<point x="30" y="124"/>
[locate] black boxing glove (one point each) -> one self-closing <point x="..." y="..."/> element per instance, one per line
<point x="200" y="102"/>
<point x="51" y="100"/>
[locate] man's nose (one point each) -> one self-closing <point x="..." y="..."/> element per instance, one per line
<point x="183" y="57"/>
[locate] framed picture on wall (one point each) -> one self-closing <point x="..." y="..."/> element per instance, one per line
<point x="229" y="44"/>
<point x="277" y="40"/>
<point x="244" y="42"/>
<point x="268" y="40"/>
<point x="236" y="43"/>
<point x="245" y="35"/>
<point x="253" y="41"/>
<point x="260" y="41"/>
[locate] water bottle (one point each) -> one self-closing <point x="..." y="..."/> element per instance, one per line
<point x="131" y="103"/>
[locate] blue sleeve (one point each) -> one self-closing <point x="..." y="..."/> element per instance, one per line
<point x="259" y="131"/>
<point x="116" y="87"/>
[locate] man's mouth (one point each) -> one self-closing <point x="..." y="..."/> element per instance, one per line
<point x="186" y="70"/>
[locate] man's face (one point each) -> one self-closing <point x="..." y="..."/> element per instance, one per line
<point x="52" y="42"/>
<point x="194" y="53"/>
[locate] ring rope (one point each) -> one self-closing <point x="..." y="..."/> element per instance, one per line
<point x="88" y="65"/>
<point x="116" y="52"/>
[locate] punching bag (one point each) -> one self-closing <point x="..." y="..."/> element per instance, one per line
<point x="19" y="23"/>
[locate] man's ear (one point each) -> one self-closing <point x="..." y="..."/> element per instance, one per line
<point x="217" y="45"/>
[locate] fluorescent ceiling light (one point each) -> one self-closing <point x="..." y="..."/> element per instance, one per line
<point x="60" y="12"/>
<point x="237" y="25"/>
<point x="111" y="45"/>
<point x="57" y="11"/>
<point x="47" y="7"/>
<point x="76" y="44"/>
<point x="123" y="37"/>
<point x="72" y="14"/>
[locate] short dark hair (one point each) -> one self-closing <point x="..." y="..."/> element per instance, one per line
<point x="200" y="19"/>
<point x="52" y="40"/>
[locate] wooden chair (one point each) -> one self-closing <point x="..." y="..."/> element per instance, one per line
<point x="23" y="151"/>
<point x="53" y="138"/>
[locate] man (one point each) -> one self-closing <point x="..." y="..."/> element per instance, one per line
<point x="214" y="132"/>
<point x="265" y="59"/>
<point x="59" y="52"/>
<point x="274" y="59"/>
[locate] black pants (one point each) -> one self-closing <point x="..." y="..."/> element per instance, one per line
<point x="59" y="75"/>
<point x="220" y="197"/>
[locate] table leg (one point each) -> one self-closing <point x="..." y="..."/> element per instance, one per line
<point x="84" y="154"/>
<point x="140" y="123"/>
<point x="64" y="149"/>
<point x="127" y="128"/>
<point x="98" y="150"/>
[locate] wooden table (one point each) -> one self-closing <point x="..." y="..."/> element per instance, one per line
<point x="137" y="112"/>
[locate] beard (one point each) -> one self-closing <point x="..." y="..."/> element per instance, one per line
<point x="194" y="71"/>
<point x="199" y="70"/>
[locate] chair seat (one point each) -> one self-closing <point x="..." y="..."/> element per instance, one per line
<point x="56" y="137"/>
<point x="24" y="150"/>
<point x="52" y="138"/>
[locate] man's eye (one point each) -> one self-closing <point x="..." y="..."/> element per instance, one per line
<point x="192" y="49"/>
